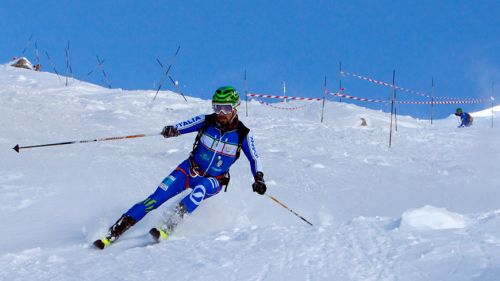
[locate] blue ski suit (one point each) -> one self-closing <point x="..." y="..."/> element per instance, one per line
<point x="209" y="161"/>
<point x="466" y="120"/>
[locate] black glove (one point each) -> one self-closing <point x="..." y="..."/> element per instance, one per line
<point x="259" y="185"/>
<point x="170" y="131"/>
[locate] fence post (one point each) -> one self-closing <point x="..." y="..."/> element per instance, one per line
<point x="392" y="104"/>
<point x="324" y="96"/>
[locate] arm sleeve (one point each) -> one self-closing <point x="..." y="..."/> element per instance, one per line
<point x="463" y="119"/>
<point x="192" y="125"/>
<point x="248" y="147"/>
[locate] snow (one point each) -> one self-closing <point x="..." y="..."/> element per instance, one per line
<point x="487" y="112"/>
<point x="425" y="209"/>
<point x="432" y="218"/>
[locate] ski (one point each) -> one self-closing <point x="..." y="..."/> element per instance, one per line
<point x="159" y="233"/>
<point x="156" y="235"/>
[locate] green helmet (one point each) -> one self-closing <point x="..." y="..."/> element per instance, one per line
<point x="226" y="94"/>
<point x="458" y="111"/>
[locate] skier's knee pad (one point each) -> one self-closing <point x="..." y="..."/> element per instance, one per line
<point x="211" y="186"/>
<point x="193" y="200"/>
<point x="205" y="188"/>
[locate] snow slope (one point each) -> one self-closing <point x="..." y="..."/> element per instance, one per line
<point x="425" y="209"/>
<point x="487" y="112"/>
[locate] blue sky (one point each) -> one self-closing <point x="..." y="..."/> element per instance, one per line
<point x="455" y="42"/>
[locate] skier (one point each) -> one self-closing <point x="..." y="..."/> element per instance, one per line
<point x="465" y="118"/>
<point x="221" y="137"/>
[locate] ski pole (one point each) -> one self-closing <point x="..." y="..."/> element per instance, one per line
<point x="284" y="206"/>
<point x="17" y="147"/>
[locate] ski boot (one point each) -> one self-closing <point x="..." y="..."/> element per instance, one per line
<point x="162" y="232"/>
<point x="120" y="226"/>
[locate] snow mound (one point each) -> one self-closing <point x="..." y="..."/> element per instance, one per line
<point x="432" y="218"/>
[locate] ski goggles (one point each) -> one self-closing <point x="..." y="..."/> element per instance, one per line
<point x="225" y="108"/>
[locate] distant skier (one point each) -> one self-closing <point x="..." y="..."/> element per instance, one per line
<point x="221" y="137"/>
<point x="465" y="118"/>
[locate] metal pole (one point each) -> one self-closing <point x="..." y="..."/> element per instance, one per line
<point x="69" y="62"/>
<point x="492" y="99"/>
<point x="67" y="66"/>
<point x="340" y="79"/>
<point x="27" y="45"/>
<point x="392" y="104"/>
<point x="395" y="118"/>
<point x="53" y="65"/>
<point x="166" y="72"/>
<point x="99" y="62"/>
<point x="246" y="94"/>
<point x="432" y="100"/>
<point x="37" y="54"/>
<point x="323" y="106"/>
<point x="395" y="110"/>
<point x="284" y="91"/>
<point x="176" y="84"/>
<point x="106" y="78"/>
